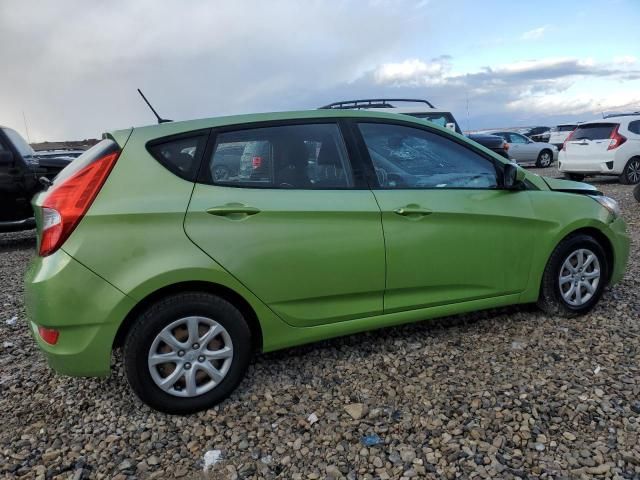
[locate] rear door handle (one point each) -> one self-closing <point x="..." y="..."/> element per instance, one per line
<point x="235" y="209"/>
<point x="412" y="211"/>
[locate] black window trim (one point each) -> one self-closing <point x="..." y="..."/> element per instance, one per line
<point x="372" y="178"/>
<point x="353" y="159"/>
<point x="201" y="134"/>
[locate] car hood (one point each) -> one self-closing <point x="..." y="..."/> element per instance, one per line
<point x="569" y="186"/>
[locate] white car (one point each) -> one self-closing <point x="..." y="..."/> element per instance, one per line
<point x="610" y="146"/>
<point x="559" y="133"/>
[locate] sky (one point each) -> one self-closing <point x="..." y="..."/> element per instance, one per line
<point x="71" y="67"/>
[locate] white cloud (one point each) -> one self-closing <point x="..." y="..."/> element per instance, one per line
<point x="625" y="60"/>
<point x="413" y="72"/>
<point x="534" y="34"/>
<point x="576" y="103"/>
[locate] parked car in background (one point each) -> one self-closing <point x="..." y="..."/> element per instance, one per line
<point x="424" y="110"/>
<point x="559" y="133"/>
<point x="523" y="150"/>
<point x="362" y="220"/>
<point x="537" y="134"/>
<point x="610" y="146"/>
<point x="20" y="171"/>
<point x="492" y="142"/>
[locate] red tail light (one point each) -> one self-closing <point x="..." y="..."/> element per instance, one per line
<point x="49" y="335"/>
<point x="616" y="139"/>
<point x="256" y="162"/>
<point x="66" y="204"/>
<point x="564" y="144"/>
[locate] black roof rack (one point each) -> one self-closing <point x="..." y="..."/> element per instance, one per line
<point x="372" y="103"/>
<point x="625" y="114"/>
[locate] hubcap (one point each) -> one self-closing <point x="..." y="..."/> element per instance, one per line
<point x="220" y="173"/>
<point x="190" y="356"/>
<point x="545" y="159"/>
<point x="633" y="173"/>
<point x="579" y="277"/>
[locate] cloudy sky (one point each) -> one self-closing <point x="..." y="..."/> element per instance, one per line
<point x="73" y="66"/>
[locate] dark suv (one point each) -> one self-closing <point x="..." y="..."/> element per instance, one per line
<point x="21" y="171"/>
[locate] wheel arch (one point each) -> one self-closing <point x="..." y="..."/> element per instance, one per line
<point x="222" y="291"/>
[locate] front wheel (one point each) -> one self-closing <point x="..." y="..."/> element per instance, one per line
<point x="631" y="173"/>
<point x="574" y="277"/>
<point x="187" y="352"/>
<point x="544" y="159"/>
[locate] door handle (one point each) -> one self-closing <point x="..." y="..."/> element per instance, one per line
<point x="233" y="209"/>
<point x="412" y="210"/>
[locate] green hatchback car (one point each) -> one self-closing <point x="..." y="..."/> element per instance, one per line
<point x="334" y="222"/>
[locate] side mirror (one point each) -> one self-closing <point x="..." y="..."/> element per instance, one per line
<point x="512" y="177"/>
<point x="6" y="157"/>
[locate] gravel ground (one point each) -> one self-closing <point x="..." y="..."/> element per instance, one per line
<point x="510" y="393"/>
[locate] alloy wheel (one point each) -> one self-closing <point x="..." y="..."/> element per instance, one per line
<point x="545" y="159"/>
<point x="633" y="171"/>
<point x="579" y="277"/>
<point x="190" y="356"/>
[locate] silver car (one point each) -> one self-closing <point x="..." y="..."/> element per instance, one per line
<point x="523" y="150"/>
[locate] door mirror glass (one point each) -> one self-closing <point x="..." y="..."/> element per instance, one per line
<point x="6" y="157"/>
<point x="513" y="177"/>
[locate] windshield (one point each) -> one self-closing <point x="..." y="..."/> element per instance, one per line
<point x="21" y="145"/>
<point x="440" y="118"/>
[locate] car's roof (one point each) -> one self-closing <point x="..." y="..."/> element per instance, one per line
<point x="171" y="128"/>
<point x="612" y="119"/>
<point x="405" y="110"/>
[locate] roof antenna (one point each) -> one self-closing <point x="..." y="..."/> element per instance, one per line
<point x="160" y="119"/>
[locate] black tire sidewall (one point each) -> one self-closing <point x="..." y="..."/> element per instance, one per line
<point x="559" y="256"/>
<point x="625" y="173"/>
<point x="158" y="316"/>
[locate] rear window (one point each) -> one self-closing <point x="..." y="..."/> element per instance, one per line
<point x="594" y="131"/>
<point x="180" y="154"/>
<point x="99" y="150"/>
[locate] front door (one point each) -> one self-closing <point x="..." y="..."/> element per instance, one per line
<point x="292" y="223"/>
<point x="451" y="234"/>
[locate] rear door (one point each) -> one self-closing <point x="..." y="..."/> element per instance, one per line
<point x="296" y="224"/>
<point x="451" y="235"/>
<point x="589" y="143"/>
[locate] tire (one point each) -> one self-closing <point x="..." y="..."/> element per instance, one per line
<point x="636" y="193"/>
<point x="545" y="158"/>
<point x="551" y="299"/>
<point x="631" y="173"/>
<point x="210" y="312"/>
<point x="576" y="177"/>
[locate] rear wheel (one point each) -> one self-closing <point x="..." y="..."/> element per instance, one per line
<point x="636" y="193"/>
<point x="631" y="173"/>
<point x="578" y="177"/>
<point x="574" y="277"/>
<point x="187" y="352"/>
<point x="544" y="159"/>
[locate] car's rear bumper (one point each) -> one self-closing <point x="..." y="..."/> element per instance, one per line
<point x="606" y="165"/>
<point x="17" y="225"/>
<point x="86" y="310"/>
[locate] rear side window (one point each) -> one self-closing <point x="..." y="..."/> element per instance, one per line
<point x="634" y="127"/>
<point x="594" y="131"/>
<point x="309" y="156"/>
<point x="99" y="150"/>
<point x="181" y="155"/>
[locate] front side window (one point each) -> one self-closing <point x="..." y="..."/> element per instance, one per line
<point x="406" y="157"/>
<point x="308" y="156"/>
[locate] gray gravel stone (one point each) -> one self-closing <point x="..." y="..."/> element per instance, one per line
<point x="474" y="396"/>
